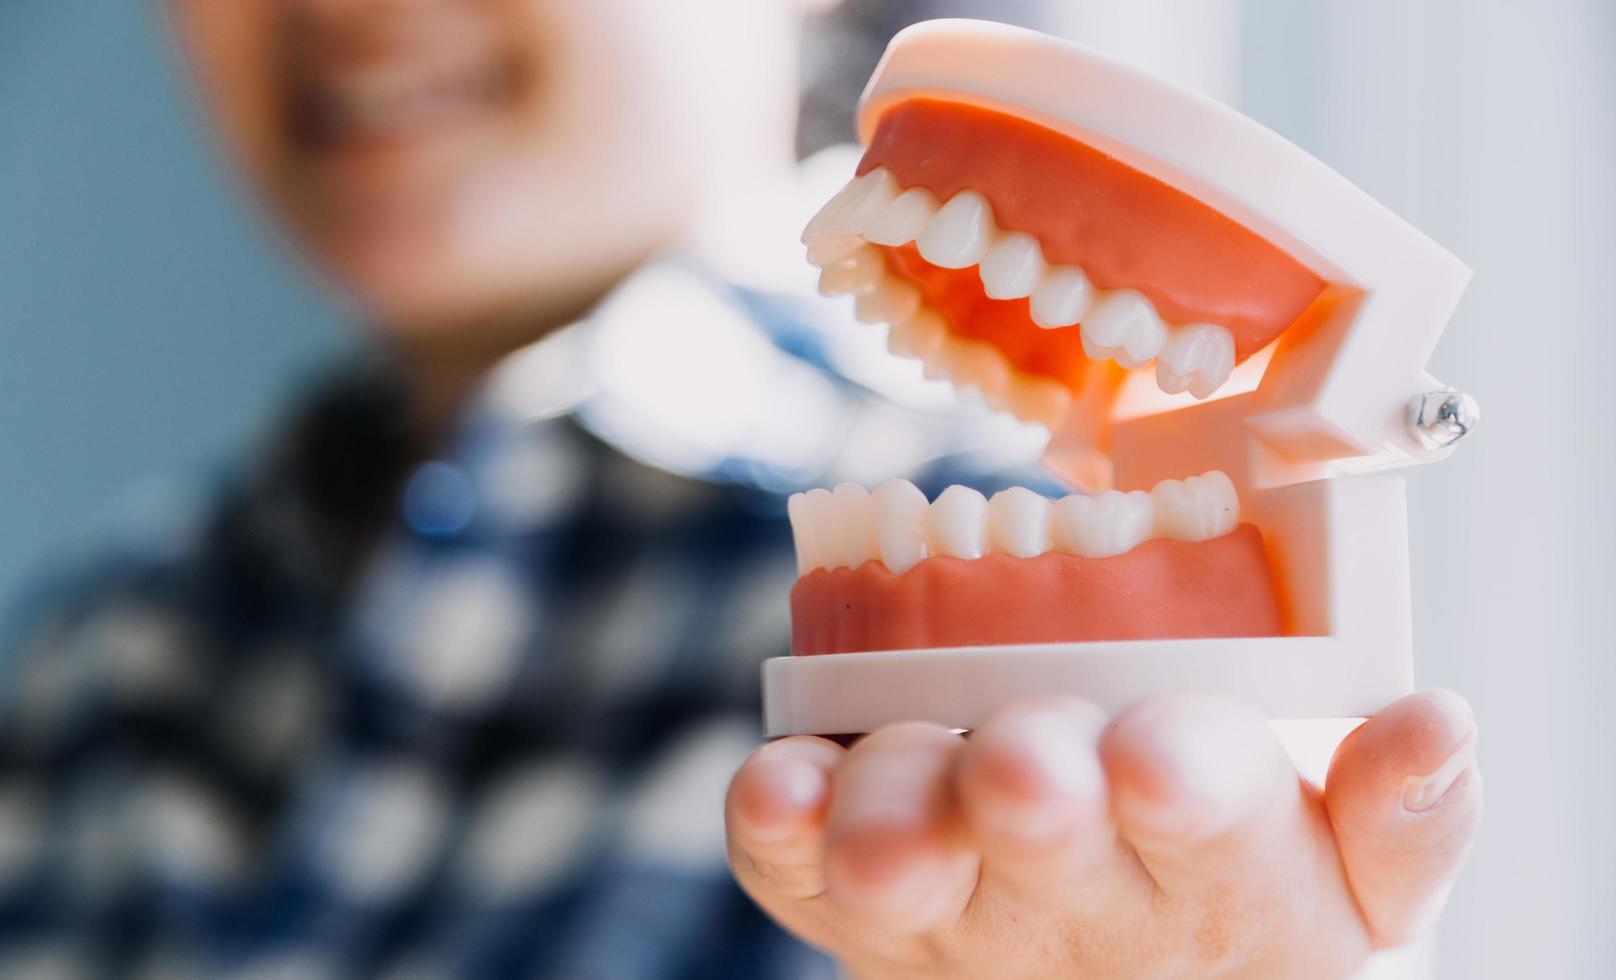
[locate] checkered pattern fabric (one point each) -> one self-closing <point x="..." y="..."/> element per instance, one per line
<point x="246" y="739"/>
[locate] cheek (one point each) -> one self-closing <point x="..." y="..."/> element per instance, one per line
<point x="230" y="48"/>
<point x="618" y="101"/>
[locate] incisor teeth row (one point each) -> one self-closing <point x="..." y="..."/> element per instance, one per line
<point x="848" y="526"/>
<point x="917" y="331"/>
<point x="1119" y="324"/>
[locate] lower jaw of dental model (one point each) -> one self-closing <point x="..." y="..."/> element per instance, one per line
<point x="1037" y="272"/>
<point x="889" y="571"/>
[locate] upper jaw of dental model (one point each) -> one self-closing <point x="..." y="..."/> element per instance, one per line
<point x="846" y="240"/>
<point x="895" y="525"/>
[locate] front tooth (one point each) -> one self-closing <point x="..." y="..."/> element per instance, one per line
<point x="900" y="524"/>
<point x="859" y="273"/>
<point x="1107" y="524"/>
<point x="1123" y="326"/>
<point x="821" y="512"/>
<point x="879" y="189"/>
<point x="854" y="523"/>
<point x="920" y="336"/>
<point x="959" y="234"/>
<point x="902" y="218"/>
<point x="851" y="209"/>
<point x="892" y="300"/>
<point x="1198" y="508"/>
<point x="958" y="521"/>
<point x="1018" y="523"/>
<point x="975" y="366"/>
<point x="1197" y="358"/>
<point x="1044" y="401"/>
<point x="829" y="210"/>
<point x="827" y="251"/>
<point x="802" y="534"/>
<point x="1061" y="297"/>
<point x="1012" y="267"/>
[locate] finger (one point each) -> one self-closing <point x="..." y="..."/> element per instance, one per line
<point x="1035" y="797"/>
<point x="774" y="816"/>
<point x="1404" y="797"/>
<point x="895" y="854"/>
<point x="1205" y="794"/>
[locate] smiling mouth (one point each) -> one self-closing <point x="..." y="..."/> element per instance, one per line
<point x="1038" y="273"/>
<point x="388" y="105"/>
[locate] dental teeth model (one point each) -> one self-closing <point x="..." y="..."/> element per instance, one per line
<point x="1043" y="228"/>
<point x="887" y="571"/>
<point x="1115" y="324"/>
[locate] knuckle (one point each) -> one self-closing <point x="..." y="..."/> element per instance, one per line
<point x="785" y="880"/>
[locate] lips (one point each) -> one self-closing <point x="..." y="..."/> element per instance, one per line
<point x="394" y="103"/>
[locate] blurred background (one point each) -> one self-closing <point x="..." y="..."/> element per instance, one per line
<point x="125" y="249"/>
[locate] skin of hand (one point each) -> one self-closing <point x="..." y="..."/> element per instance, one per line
<point x="1174" y="840"/>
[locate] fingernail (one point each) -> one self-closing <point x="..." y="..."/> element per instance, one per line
<point x="1421" y="793"/>
<point x="1047" y="776"/>
<point x="797" y="786"/>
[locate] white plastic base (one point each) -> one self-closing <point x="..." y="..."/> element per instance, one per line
<point x="1284" y="677"/>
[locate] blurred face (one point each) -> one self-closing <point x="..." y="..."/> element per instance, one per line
<point x="457" y="163"/>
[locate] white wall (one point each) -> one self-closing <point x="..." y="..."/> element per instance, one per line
<point x="1492" y="127"/>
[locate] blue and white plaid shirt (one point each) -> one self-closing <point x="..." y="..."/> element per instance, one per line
<point x="358" y="715"/>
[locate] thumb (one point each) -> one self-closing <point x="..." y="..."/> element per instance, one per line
<point x="1404" y="798"/>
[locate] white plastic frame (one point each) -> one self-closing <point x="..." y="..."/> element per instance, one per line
<point x="1329" y="409"/>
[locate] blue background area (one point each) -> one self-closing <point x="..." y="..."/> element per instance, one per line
<point x="146" y="320"/>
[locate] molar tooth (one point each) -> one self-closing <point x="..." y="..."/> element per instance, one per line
<point x="1018" y="523"/>
<point x="901" y="219"/>
<point x="1107" y="524"/>
<point x="920" y="336"/>
<point x="900" y="524"/>
<point x="1012" y="267"/>
<point x="1123" y="325"/>
<point x="959" y="233"/>
<point x="1197" y="358"/>
<point x="821" y="514"/>
<point x="935" y="367"/>
<point x="802" y="534"/>
<point x="957" y="521"/>
<point x="1198" y="508"/>
<point x="976" y="366"/>
<point x="859" y="273"/>
<point x="892" y="300"/>
<point x="996" y="402"/>
<point x="854" y="524"/>
<point x="1061" y="297"/>
<point x="1044" y="401"/>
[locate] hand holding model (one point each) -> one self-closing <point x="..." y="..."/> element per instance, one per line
<point x="1224" y="339"/>
<point x="1175" y="840"/>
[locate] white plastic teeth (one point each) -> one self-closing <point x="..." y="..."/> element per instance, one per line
<point x="848" y="526"/>
<point x="1196" y="359"/>
<point x="1119" y="324"/>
